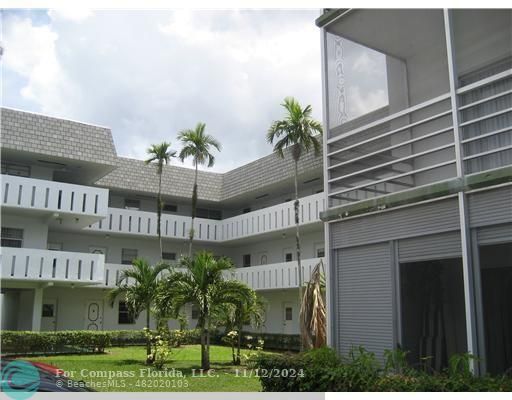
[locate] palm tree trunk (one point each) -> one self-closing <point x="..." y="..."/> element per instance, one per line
<point x="194" y="204"/>
<point x="297" y="238"/>
<point x="148" y="342"/>
<point x="159" y="212"/>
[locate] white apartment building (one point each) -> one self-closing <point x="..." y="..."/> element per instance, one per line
<point x="418" y="182"/>
<point x="74" y="215"/>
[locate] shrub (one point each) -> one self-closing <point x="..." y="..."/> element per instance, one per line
<point x="321" y="370"/>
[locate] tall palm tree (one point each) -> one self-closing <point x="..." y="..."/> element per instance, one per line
<point x="162" y="154"/>
<point x="137" y="285"/>
<point x="298" y="131"/>
<point x="202" y="284"/>
<point x="198" y="145"/>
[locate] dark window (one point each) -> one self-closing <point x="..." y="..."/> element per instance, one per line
<point x="320" y="252"/>
<point x="246" y="260"/>
<point x="208" y="214"/>
<point x="12" y="237"/>
<point x="128" y="255"/>
<point x="168" y="256"/>
<point x="195" y="312"/>
<point x="288" y="257"/>
<point x="124" y="315"/>
<point x="246" y="210"/>
<point x="132" y="204"/>
<point x="288" y="313"/>
<point x="15" y="169"/>
<point x="48" y="310"/>
<point x="170" y="208"/>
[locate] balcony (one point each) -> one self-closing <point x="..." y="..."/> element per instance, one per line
<point x="261" y="277"/>
<point x="73" y="205"/>
<point x="416" y="146"/>
<point x="36" y="265"/>
<point x="262" y="221"/>
<point x="275" y="276"/>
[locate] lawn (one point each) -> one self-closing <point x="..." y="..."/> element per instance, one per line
<point x="129" y="373"/>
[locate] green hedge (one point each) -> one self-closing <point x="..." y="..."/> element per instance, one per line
<point x="322" y="370"/>
<point x="274" y="341"/>
<point x="27" y="342"/>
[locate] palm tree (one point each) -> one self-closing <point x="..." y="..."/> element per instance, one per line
<point x="137" y="286"/>
<point x="297" y="131"/>
<point x="197" y="144"/>
<point x="162" y="154"/>
<point x="203" y="285"/>
<point x="313" y="315"/>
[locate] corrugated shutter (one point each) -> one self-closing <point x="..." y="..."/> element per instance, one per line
<point x="431" y="247"/>
<point x="365" y="298"/>
<point x="438" y="216"/>
<point x="490" y="207"/>
<point x="495" y="234"/>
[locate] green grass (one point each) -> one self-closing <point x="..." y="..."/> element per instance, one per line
<point x="130" y="360"/>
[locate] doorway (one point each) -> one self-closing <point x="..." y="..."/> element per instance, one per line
<point x="289" y="314"/>
<point x="49" y="315"/>
<point x="94" y="315"/>
<point x="496" y="281"/>
<point x="433" y="316"/>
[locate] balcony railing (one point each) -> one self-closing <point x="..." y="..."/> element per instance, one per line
<point x="23" y="264"/>
<point x="261" y="277"/>
<point x="257" y="222"/>
<point x="275" y="276"/>
<point x="416" y="146"/>
<point x="51" y="196"/>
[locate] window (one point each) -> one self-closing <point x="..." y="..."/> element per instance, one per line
<point x="15" y="169"/>
<point x="195" y="312"/>
<point x="12" y="237"/>
<point x="124" y="314"/>
<point x="288" y="314"/>
<point x="128" y="255"/>
<point x="288" y="257"/>
<point x="209" y="214"/>
<point x="263" y="260"/>
<point x="246" y="210"/>
<point x="320" y="252"/>
<point x="170" y="208"/>
<point x="246" y="260"/>
<point x="48" y="310"/>
<point x="168" y="256"/>
<point x="132" y="204"/>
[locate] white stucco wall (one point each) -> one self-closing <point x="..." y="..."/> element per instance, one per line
<point x="35" y="229"/>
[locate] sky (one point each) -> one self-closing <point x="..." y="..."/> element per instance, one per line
<point x="149" y="74"/>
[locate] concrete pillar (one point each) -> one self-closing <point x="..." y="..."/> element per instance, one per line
<point x="37" y="309"/>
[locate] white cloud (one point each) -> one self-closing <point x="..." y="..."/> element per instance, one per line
<point x="74" y="14"/>
<point x="149" y="74"/>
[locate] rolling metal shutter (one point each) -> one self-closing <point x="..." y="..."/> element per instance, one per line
<point x="431" y="247"/>
<point x="422" y="219"/>
<point x="490" y="207"/>
<point x="495" y="234"/>
<point x="364" y="312"/>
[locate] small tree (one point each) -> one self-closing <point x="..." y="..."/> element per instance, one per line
<point x="313" y="316"/>
<point x="198" y="145"/>
<point x="203" y="284"/>
<point x="162" y="154"/>
<point x="137" y="285"/>
<point x="297" y="131"/>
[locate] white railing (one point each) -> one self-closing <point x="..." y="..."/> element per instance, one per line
<point x="261" y="277"/>
<point x="281" y="216"/>
<point x="410" y="148"/>
<point x="51" y="266"/>
<point x="39" y="194"/>
<point x="268" y="219"/>
<point x="145" y="223"/>
<point x="275" y="276"/>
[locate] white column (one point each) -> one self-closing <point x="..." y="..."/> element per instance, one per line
<point x="467" y="265"/>
<point x="37" y="309"/>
